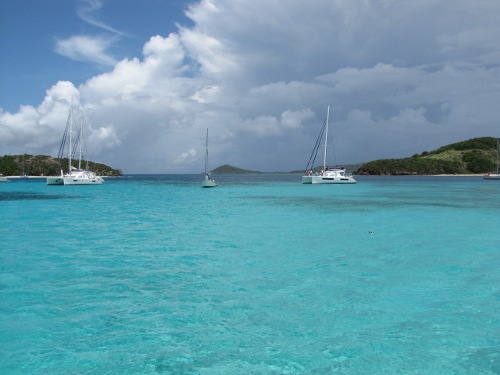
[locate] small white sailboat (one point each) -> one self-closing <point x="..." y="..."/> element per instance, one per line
<point x="75" y="176"/>
<point x="336" y="175"/>
<point x="207" y="181"/>
<point x="495" y="176"/>
<point x="3" y="179"/>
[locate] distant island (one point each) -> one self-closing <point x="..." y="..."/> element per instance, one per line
<point x="43" y="165"/>
<point x="229" y="169"/>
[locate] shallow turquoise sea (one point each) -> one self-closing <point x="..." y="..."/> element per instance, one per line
<point x="261" y="275"/>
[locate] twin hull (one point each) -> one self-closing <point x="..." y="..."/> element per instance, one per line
<point x="79" y="178"/>
<point x="328" y="180"/>
<point x="83" y="181"/>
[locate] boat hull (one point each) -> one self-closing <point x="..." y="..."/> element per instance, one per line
<point x="81" y="177"/>
<point x="492" y="177"/>
<point x="55" y="180"/>
<point x="328" y="180"/>
<point x="307" y="180"/>
<point x="83" y="181"/>
<point x="332" y="180"/>
<point x="208" y="184"/>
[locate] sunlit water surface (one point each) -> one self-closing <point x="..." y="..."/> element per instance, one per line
<point x="261" y="275"/>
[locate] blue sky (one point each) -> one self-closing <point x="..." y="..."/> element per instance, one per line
<point x="31" y="29"/>
<point x="149" y="76"/>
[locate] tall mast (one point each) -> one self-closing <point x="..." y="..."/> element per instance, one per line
<point x="326" y="137"/>
<point x="80" y="141"/>
<point x="206" y="153"/>
<point x="70" y="150"/>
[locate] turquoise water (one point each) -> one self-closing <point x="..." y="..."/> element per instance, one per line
<point x="261" y="275"/>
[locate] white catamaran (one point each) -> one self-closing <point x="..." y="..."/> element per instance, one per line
<point x="207" y="181"/>
<point x="75" y="176"/>
<point x="495" y="176"/>
<point x="336" y="175"/>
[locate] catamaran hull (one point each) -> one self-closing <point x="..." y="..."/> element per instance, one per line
<point x="332" y="180"/>
<point x="327" y="180"/>
<point x="55" y="181"/>
<point x="307" y="179"/>
<point x="83" y="181"/>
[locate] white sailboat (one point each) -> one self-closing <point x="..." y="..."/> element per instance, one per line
<point x="336" y="175"/>
<point x="3" y="179"/>
<point x="59" y="180"/>
<point x="75" y="176"/>
<point x="207" y="181"/>
<point x="495" y="176"/>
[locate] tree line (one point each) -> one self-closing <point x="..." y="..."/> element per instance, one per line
<point x="43" y="165"/>
<point x="474" y="156"/>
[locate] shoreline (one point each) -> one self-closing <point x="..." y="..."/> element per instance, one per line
<point x="385" y="175"/>
<point x="458" y="175"/>
<point x="40" y="177"/>
<point x="25" y="177"/>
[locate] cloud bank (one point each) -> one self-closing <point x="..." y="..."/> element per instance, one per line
<point x="400" y="78"/>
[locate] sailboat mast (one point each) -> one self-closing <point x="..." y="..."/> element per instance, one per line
<point x="70" y="135"/>
<point x="326" y="137"/>
<point x="80" y="139"/>
<point x="206" y="153"/>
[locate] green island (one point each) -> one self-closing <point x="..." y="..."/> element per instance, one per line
<point x="474" y="156"/>
<point x="43" y="165"/>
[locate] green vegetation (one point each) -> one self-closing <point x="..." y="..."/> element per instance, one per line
<point x="485" y="143"/>
<point x="42" y="165"/>
<point x="473" y="156"/>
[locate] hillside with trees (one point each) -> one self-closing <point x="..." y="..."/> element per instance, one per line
<point x="474" y="156"/>
<point x="42" y="165"/>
